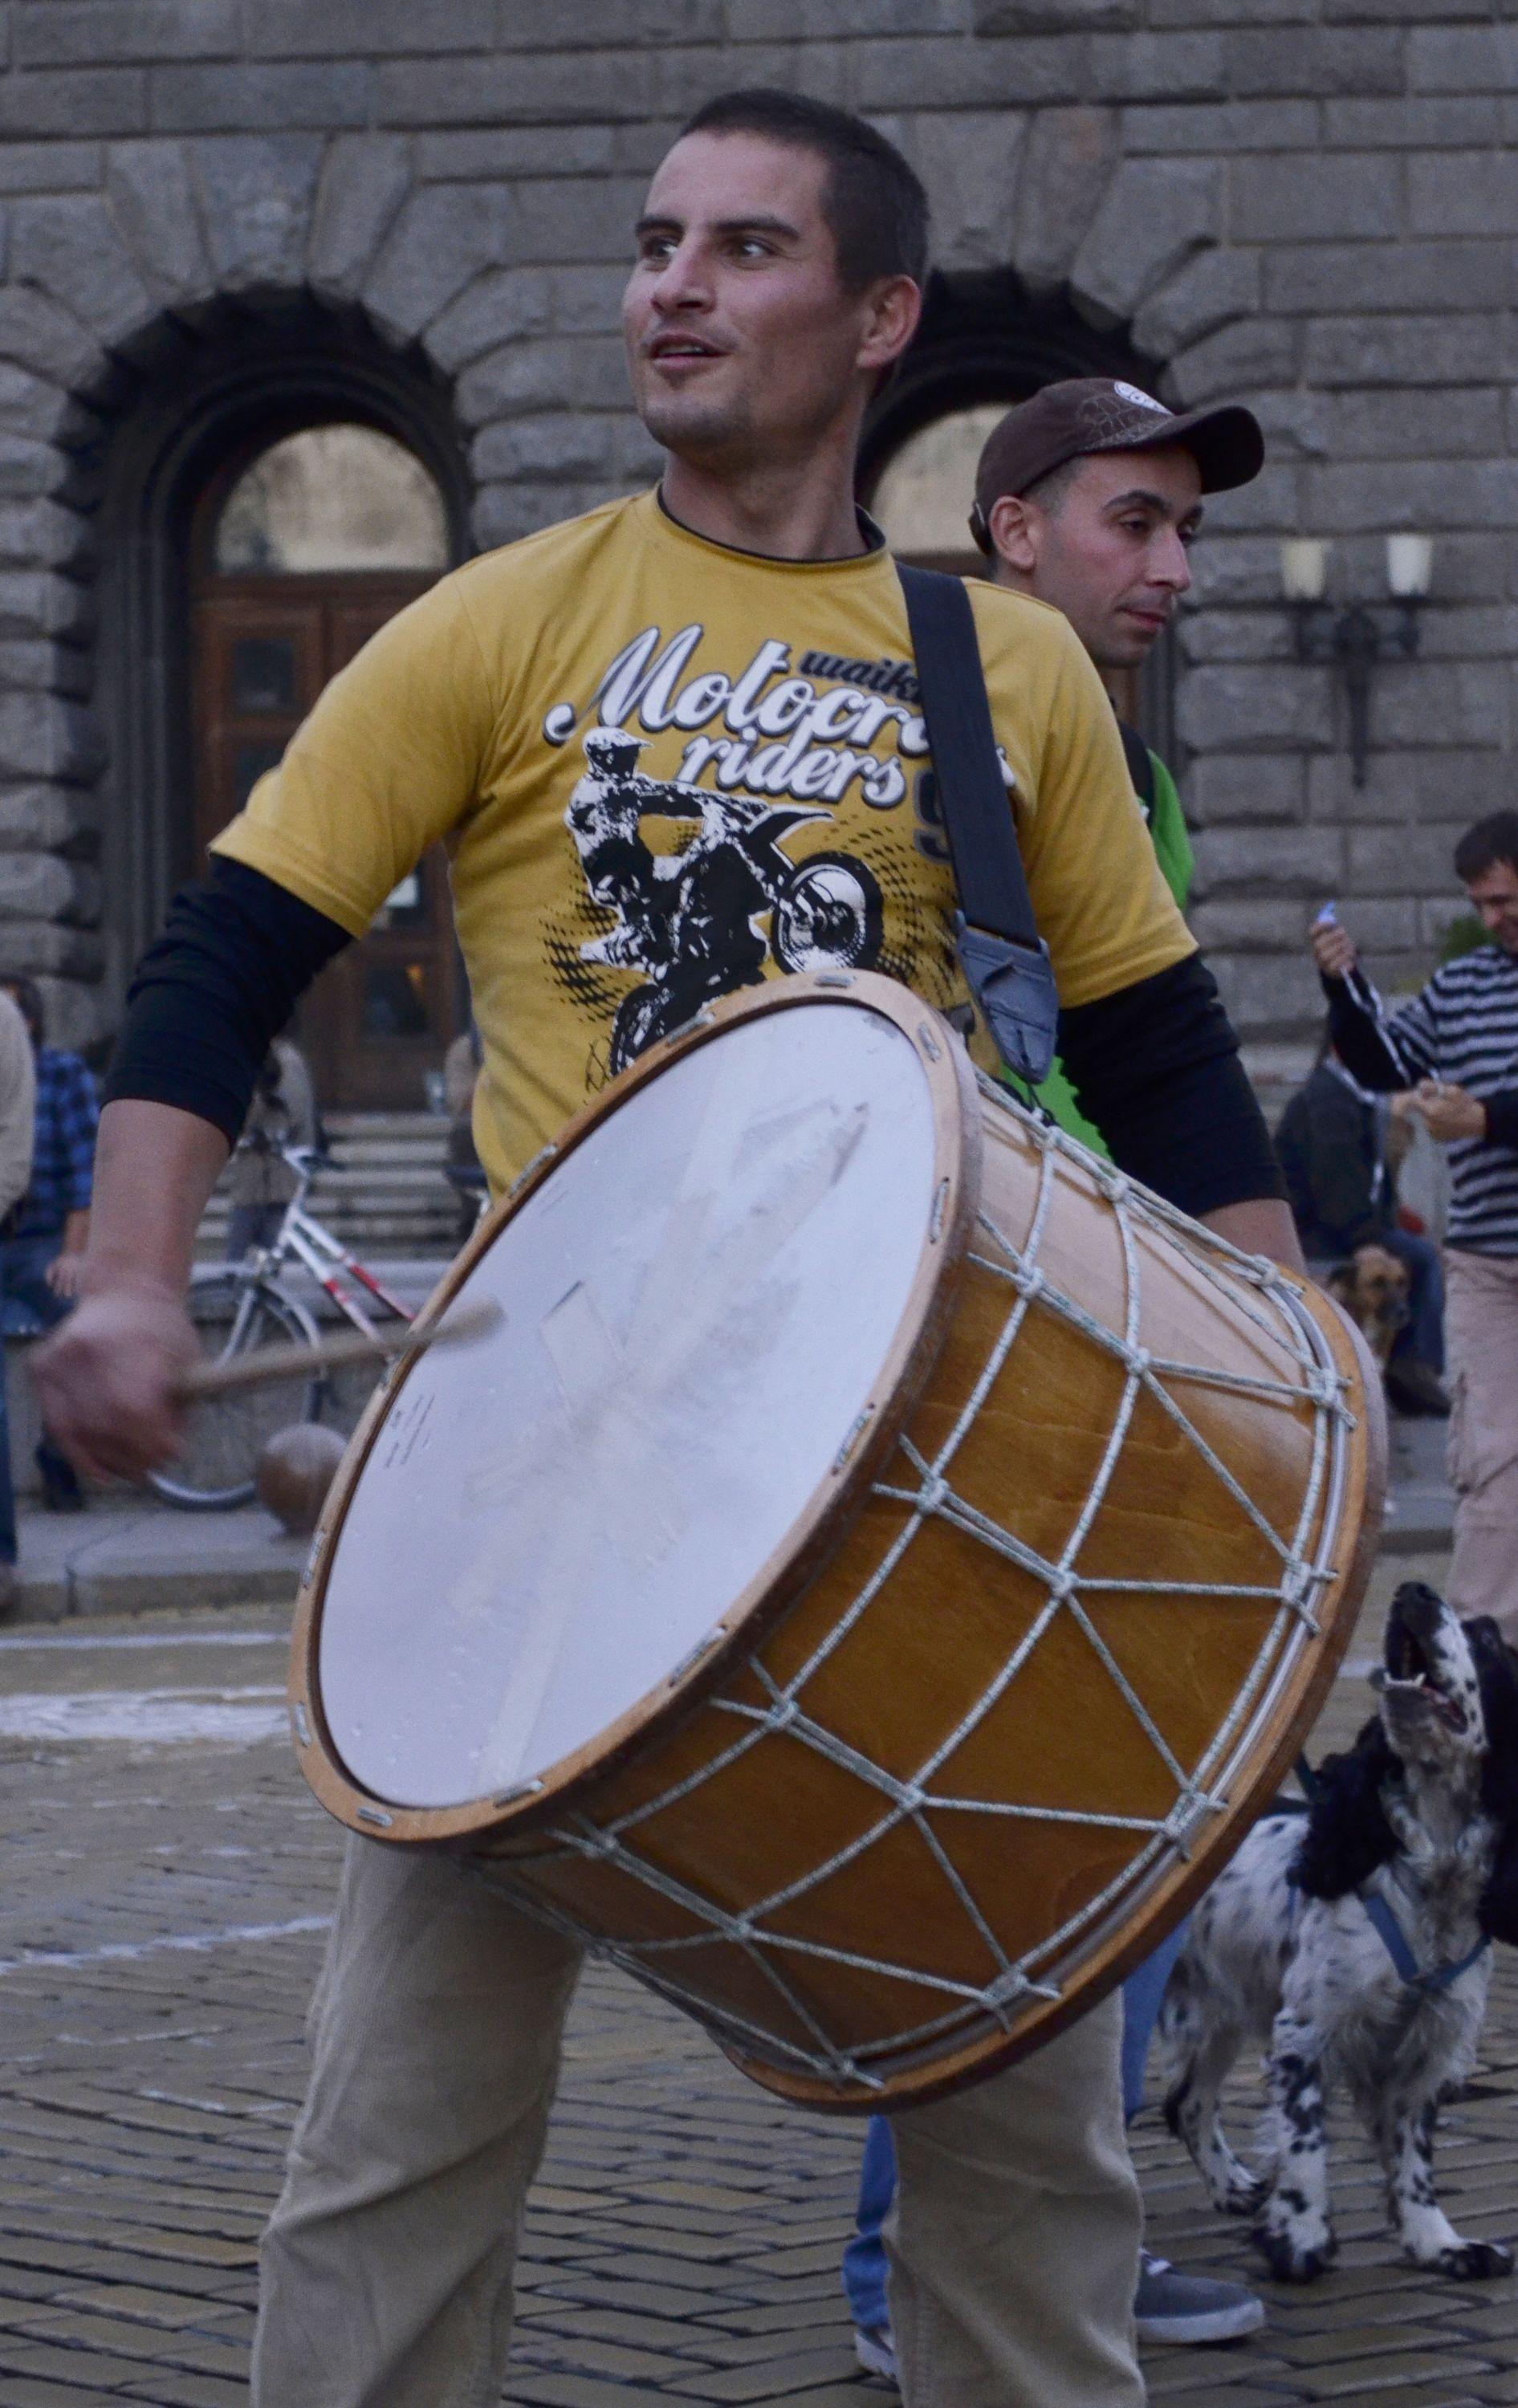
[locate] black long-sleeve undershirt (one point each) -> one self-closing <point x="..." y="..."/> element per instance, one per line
<point x="1156" y="1066"/>
<point x="211" y="994"/>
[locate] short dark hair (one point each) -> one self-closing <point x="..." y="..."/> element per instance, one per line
<point x="1484" y="845"/>
<point x="1050" y="490"/>
<point x="875" y="205"/>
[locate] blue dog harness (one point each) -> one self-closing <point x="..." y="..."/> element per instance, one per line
<point x="1429" y="1982"/>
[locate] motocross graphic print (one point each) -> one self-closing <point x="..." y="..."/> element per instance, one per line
<point x="720" y="874"/>
<point x="665" y="770"/>
<point x="697" y="922"/>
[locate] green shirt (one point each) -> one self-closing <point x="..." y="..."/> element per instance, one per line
<point x="1172" y="845"/>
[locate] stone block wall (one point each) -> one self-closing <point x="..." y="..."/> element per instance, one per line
<point x="1309" y="203"/>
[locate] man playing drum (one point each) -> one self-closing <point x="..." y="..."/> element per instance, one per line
<point x="749" y="630"/>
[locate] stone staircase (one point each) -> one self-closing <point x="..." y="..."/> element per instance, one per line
<point x="386" y="1195"/>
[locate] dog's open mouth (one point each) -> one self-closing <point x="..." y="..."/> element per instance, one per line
<point x="1409" y="1671"/>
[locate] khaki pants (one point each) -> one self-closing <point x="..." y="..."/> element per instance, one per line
<point x="388" y="2263"/>
<point x="1481" y="1335"/>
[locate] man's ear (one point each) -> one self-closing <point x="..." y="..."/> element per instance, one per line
<point x="1347" y="1833"/>
<point x="1012" y="525"/>
<point x="893" y="307"/>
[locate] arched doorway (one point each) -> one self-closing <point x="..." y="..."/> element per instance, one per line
<point x="923" y="492"/>
<point x="299" y="555"/>
<point x="200" y="409"/>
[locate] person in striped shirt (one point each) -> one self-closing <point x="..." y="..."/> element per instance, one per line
<point x="1455" y="1044"/>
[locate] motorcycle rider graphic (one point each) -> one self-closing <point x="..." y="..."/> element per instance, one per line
<point x="691" y="921"/>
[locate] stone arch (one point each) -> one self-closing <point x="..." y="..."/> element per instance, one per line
<point x="1136" y="242"/>
<point x="202" y="407"/>
<point x="984" y="336"/>
<point x="292" y="274"/>
<point x="1059" y="255"/>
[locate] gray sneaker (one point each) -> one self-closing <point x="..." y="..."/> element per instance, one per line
<point x="1168" y="2306"/>
<point x="1175" y="2307"/>
<point x="876" y="2352"/>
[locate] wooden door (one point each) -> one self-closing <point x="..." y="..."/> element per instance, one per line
<point x="380" y="1018"/>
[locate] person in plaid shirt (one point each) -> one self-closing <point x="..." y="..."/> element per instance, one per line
<point x="45" y="1235"/>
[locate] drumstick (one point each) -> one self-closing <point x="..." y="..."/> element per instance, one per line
<point x="293" y="1360"/>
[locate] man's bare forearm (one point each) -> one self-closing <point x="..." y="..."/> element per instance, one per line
<point x="155" y="1168"/>
<point x="1262" y="1226"/>
<point x="108" y="1378"/>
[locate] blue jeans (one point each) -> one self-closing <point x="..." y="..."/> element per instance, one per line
<point x="29" y="1308"/>
<point x="1421" y="1335"/>
<point x="864" y="2260"/>
<point x="251" y="1225"/>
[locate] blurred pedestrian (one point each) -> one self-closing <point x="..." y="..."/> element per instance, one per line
<point x="47" y="1232"/>
<point x="1456" y="1044"/>
<point x="465" y="1171"/>
<point x="1333" y="1143"/>
<point x="18" y="1124"/>
<point x="259" y="1182"/>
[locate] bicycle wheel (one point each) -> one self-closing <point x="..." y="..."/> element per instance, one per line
<point x="225" y="1434"/>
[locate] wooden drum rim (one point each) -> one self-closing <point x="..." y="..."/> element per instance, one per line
<point x="811" y="1539"/>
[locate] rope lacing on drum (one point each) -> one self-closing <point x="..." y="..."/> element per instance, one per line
<point x="737" y="2030"/>
<point x="750" y="1931"/>
<point x="1299" y="1587"/>
<point x="913" y="1798"/>
<point x="933" y="1490"/>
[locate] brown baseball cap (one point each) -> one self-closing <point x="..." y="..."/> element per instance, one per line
<point x="1083" y="414"/>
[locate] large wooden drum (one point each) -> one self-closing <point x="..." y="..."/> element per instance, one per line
<point x="875" y="1569"/>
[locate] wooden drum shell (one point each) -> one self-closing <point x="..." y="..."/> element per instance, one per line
<point x="962" y="1676"/>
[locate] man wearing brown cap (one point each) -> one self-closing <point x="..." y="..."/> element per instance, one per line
<point x="1087" y="497"/>
<point x="1087" y="418"/>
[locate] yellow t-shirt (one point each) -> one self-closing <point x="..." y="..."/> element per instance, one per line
<point x="665" y="770"/>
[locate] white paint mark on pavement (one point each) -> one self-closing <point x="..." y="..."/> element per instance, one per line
<point x="155" y="1716"/>
<point x="176" y="1637"/>
<point x="131" y="1952"/>
<point x="133" y="2039"/>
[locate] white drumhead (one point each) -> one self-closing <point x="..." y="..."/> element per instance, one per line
<point x="697" y="1305"/>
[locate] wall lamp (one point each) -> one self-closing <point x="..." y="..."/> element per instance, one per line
<point x="1360" y="634"/>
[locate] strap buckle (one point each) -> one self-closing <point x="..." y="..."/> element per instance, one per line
<point x="1014" y="986"/>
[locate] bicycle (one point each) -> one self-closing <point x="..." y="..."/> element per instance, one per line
<point x="238" y="1306"/>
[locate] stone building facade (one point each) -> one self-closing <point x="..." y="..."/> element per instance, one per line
<point x="221" y="220"/>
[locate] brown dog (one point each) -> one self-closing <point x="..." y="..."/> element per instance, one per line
<point x="1373" y="1290"/>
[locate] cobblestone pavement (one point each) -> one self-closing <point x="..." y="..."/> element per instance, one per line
<point x="164" y="1914"/>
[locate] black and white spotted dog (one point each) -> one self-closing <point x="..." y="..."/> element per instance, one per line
<point x="1354" y="1942"/>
